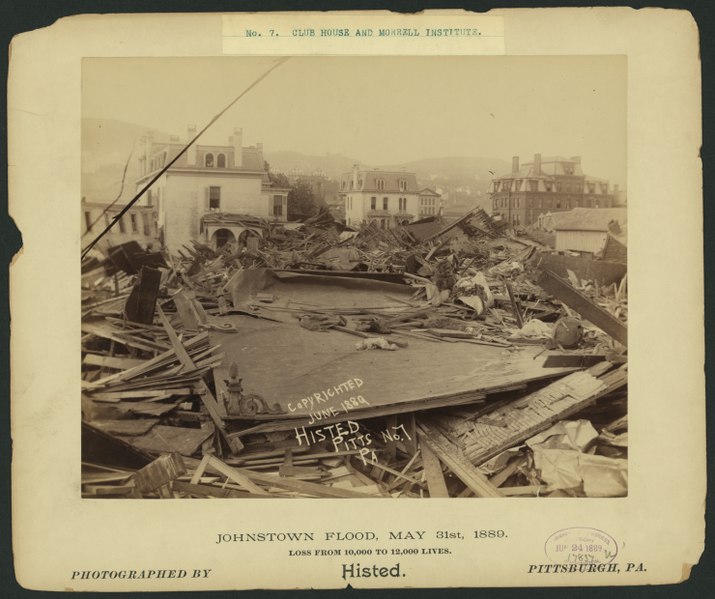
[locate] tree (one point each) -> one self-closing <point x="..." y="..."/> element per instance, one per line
<point x="301" y="202"/>
<point x="276" y="179"/>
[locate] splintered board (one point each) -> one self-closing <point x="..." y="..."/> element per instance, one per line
<point x="507" y="426"/>
<point x="287" y="364"/>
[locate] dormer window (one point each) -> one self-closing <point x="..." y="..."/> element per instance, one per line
<point x="209" y="160"/>
<point x="380" y="183"/>
<point x="403" y="184"/>
<point x="221" y="161"/>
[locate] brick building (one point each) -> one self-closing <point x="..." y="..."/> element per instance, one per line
<point x="546" y="186"/>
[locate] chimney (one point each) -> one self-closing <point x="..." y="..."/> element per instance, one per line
<point x="537" y="165"/>
<point x="355" y="176"/>
<point x="238" y="147"/>
<point x="515" y="164"/>
<point x="191" y="152"/>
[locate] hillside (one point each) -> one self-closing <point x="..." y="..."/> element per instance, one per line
<point x="106" y="146"/>
<point x="107" y="143"/>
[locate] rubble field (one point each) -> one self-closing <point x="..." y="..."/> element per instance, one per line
<point x="430" y="360"/>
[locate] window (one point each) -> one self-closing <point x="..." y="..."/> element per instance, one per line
<point x="214" y="198"/>
<point x="403" y="204"/>
<point x="403" y="184"/>
<point x="221" y="161"/>
<point x="359" y="183"/>
<point x="558" y="203"/>
<point x="568" y="204"/>
<point x="384" y="203"/>
<point x="147" y="224"/>
<point x="88" y="220"/>
<point x="380" y="183"/>
<point x="351" y="184"/>
<point x="277" y="205"/>
<point x="373" y="203"/>
<point x="342" y="185"/>
<point x="209" y="160"/>
<point x="122" y="227"/>
<point x="533" y="185"/>
<point x="133" y="221"/>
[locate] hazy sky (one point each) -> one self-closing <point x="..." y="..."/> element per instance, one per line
<point x="381" y="110"/>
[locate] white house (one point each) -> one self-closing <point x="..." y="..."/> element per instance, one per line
<point x="585" y="230"/>
<point x="209" y="180"/>
<point x="389" y="198"/>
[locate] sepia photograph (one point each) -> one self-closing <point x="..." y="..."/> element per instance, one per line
<point x="450" y="257"/>
<point x="354" y="277"/>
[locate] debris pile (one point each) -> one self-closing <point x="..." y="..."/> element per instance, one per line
<point x="314" y="360"/>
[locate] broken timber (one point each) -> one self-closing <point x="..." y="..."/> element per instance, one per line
<point x="508" y="426"/>
<point x="457" y="462"/>
<point x="575" y="300"/>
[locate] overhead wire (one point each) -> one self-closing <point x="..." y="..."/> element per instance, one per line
<point x="166" y="167"/>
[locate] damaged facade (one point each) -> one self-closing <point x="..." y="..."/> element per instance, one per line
<point x="207" y="180"/>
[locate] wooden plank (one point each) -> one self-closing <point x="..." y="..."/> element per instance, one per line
<point x="141" y="302"/>
<point x="528" y="490"/>
<point x="164" y="439"/>
<point x="111" y="361"/>
<point x="161" y="471"/>
<point x="199" y="472"/>
<point x="138" y="393"/>
<point x="185" y="310"/>
<point x="576" y="300"/>
<point x="110" y="333"/>
<point x="176" y="343"/>
<point x="198" y="490"/>
<point x="510" y="424"/>
<point x="300" y="486"/>
<point x="234" y="443"/>
<point x="456" y="461"/>
<point x="433" y="471"/>
<point x="501" y="477"/>
<point x="235" y="475"/>
<point x="162" y="359"/>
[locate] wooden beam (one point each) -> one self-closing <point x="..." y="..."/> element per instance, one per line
<point x="574" y="299"/>
<point x="176" y="343"/>
<point x="433" y="471"/>
<point x="455" y="460"/>
<point x="234" y="474"/>
<point x="158" y="473"/>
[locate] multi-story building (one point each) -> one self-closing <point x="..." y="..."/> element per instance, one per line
<point x="390" y="198"/>
<point x="430" y="203"/>
<point x="206" y="181"/>
<point x="547" y="186"/>
<point x="138" y="224"/>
